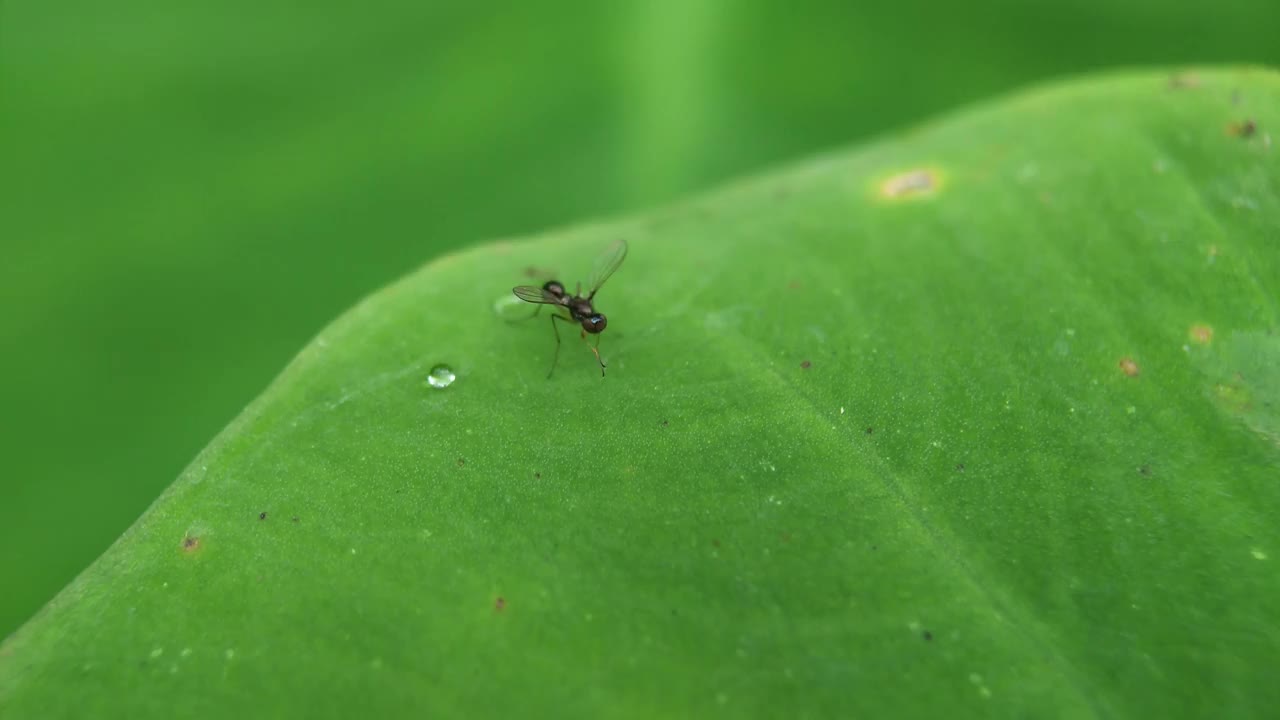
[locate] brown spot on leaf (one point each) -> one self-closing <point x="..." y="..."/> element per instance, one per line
<point x="190" y="543"/>
<point x="870" y="430"/>
<point x="294" y="518"/>
<point x="663" y="423"/>
<point x="499" y="604"/>
<point x="716" y="543"/>
<point x="959" y="467"/>
<point x="1184" y="81"/>
<point x="462" y="461"/>
<point x="793" y="285"/>
<point x="537" y="476"/>
<point x="262" y="516"/>
<point x="806" y="364"/>
<point x="1129" y="367"/>
<point x="1145" y="471"/>
<point x="1243" y="129"/>
<point x="1201" y="334"/>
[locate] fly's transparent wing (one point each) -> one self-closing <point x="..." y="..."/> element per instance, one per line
<point x="535" y="294"/>
<point x="605" y="265"/>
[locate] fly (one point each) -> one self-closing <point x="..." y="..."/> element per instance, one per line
<point x="580" y="307"/>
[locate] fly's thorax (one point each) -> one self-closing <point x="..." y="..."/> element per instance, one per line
<point x="581" y="307"/>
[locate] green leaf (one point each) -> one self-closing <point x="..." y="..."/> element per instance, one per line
<point x="977" y="420"/>
<point x="239" y="186"/>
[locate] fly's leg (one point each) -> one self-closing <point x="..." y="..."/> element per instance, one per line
<point x="556" y="329"/>
<point x="596" y="350"/>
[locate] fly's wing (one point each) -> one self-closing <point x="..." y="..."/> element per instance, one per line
<point x="605" y="265"/>
<point x="535" y="294"/>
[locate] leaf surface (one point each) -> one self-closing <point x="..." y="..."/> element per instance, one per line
<point x="979" y="419"/>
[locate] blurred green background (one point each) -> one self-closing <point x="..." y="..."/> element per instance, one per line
<point x="192" y="190"/>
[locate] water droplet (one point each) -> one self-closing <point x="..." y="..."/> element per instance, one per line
<point x="441" y="377"/>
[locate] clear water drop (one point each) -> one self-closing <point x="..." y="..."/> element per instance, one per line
<point x="440" y="377"/>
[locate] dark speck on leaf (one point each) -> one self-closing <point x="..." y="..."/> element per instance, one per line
<point x="537" y="476"/>
<point x="664" y="423"/>
<point x="1245" y="129"/>
<point x="805" y="364"/>
<point x="928" y="636"/>
<point x="499" y="604"/>
<point x="715" y="543"/>
<point x="462" y="461"/>
<point x="294" y="518"/>
<point x="190" y="543"/>
<point x="960" y="467"/>
<point x="262" y="516"/>
<point x="870" y="430"/>
<point x="1145" y="471"/>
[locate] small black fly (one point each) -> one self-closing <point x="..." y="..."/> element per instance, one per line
<point x="580" y="307"/>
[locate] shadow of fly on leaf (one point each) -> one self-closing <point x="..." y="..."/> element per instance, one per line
<point x="580" y="308"/>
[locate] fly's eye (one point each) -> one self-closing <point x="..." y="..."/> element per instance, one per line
<point x="594" y="323"/>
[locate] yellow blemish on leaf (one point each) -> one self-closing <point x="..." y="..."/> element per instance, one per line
<point x="1201" y="334"/>
<point x="918" y="182"/>
<point x="1129" y="367"/>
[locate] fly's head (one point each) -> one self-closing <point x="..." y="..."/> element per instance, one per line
<point x="594" y="323"/>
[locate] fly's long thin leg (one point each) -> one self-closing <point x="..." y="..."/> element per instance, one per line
<point x="596" y="350"/>
<point x="555" y="358"/>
